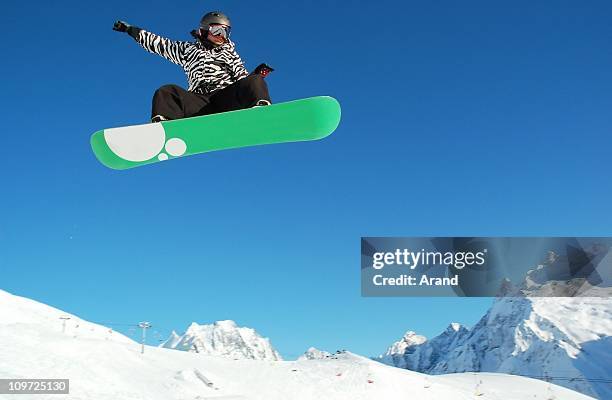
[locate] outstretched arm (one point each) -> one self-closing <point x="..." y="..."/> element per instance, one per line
<point x="169" y="49"/>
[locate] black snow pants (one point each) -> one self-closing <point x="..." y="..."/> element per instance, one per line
<point x="174" y="102"/>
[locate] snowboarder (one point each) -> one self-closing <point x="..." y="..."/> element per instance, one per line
<point x="218" y="80"/>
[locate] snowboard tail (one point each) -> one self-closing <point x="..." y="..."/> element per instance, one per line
<point x="300" y="120"/>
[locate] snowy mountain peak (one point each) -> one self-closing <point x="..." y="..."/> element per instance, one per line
<point x="227" y="324"/>
<point x="314" y="354"/>
<point x="223" y="338"/>
<point x="579" y="273"/>
<point x="411" y="338"/>
<point x="560" y="337"/>
<point x="454" y="327"/>
<point x="173" y="340"/>
<point x="395" y="352"/>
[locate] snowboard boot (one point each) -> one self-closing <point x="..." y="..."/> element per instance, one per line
<point x="159" y="118"/>
<point x="262" y="103"/>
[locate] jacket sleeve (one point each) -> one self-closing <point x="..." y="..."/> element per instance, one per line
<point x="237" y="67"/>
<point x="171" y="50"/>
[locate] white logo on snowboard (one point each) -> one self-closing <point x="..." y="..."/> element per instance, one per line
<point x="143" y="142"/>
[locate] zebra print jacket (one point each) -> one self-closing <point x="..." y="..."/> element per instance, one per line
<point x="208" y="69"/>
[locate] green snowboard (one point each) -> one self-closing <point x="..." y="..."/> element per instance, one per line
<point x="307" y="119"/>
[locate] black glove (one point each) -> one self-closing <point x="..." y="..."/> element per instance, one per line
<point x="263" y="70"/>
<point x="121" y="26"/>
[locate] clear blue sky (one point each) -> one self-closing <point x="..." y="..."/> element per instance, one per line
<point x="471" y="118"/>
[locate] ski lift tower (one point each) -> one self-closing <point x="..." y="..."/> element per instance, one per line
<point x="144" y="325"/>
<point x="64" y="318"/>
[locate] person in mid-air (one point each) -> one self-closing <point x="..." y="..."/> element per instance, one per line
<point x="218" y="80"/>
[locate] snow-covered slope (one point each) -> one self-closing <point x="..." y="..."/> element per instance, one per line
<point x="543" y="337"/>
<point x="223" y="338"/>
<point x="101" y="368"/>
<point x="29" y="316"/>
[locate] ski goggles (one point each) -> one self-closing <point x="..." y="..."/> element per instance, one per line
<point x="219" y="30"/>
